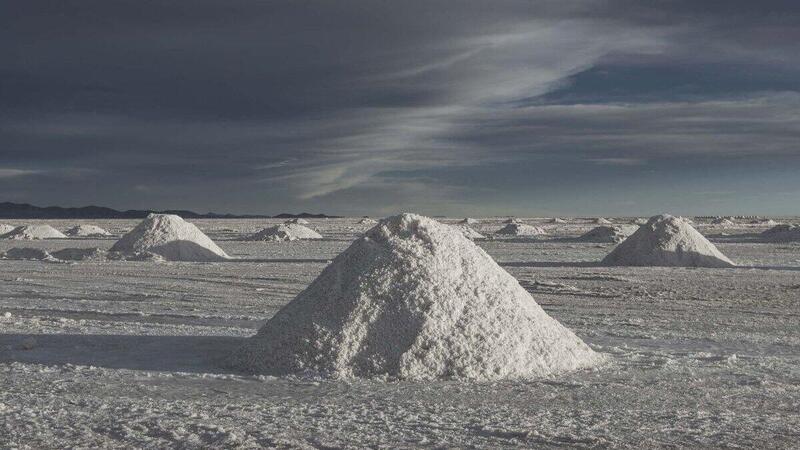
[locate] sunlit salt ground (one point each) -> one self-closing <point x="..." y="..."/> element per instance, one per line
<point x="123" y="354"/>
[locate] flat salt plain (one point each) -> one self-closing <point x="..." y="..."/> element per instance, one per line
<point x="121" y="354"/>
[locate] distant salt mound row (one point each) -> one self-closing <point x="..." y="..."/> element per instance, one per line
<point x="602" y="221"/>
<point x="5" y="229"/>
<point x="367" y="221"/>
<point x="285" y="232"/>
<point x="667" y="241"/>
<point x="299" y="221"/>
<point x="25" y="253"/>
<point x="170" y="237"/>
<point x="520" y="229"/>
<point x="86" y="231"/>
<point x="782" y="233"/>
<point x="34" y="232"/>
<point x="468" y="221"/>
<point x="608" y="234"/>
<point x="468" y="231"/>
<point x="414" y="299"/>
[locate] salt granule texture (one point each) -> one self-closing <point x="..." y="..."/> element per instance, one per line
<point x="666" y="240"/>
<point x="284" y="232"/>
<point x="33" y="232"/>
<point x="414" y="299"/>
<point x="170" y="237"/>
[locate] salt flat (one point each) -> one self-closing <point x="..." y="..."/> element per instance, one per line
<point x="125" y="354"/>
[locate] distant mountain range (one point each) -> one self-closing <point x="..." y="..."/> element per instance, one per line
<point x="25" y="211"/>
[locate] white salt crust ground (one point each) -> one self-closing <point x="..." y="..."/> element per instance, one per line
<point x="415" y="300"/>
<point x="33" y="232"/>
<point x="124" y="353"/>
<point x="667" y="241"/>
<point x="170" y="237"/>
<point x="285" y="232"/>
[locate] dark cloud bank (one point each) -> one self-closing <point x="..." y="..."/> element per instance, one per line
<point x="370" y="107"/>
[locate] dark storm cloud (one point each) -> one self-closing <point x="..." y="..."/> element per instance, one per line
<point x="268" y="105"/>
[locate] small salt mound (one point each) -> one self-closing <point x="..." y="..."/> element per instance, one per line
<point x="86" y="231"/>
<point x="640" y="221"/>
<point x="414" y="299"/>
<point x="285" y="232"/>
<point x="511" y="220"/>
<point x="782" y="233"/>
<point x="32" y="232"/>
<point x="722" y="221"/>
<point x="24" y="253"/>
<point x="519" y="229"/>
<point x="170" y="237"/>
<point x="367" y="221"/>
<point x="299" y="221"/>
<point x="602" y="221"/>
<point x="607" y="233"/>
<point x="468" y="232"/>
<point x="667" y="241"/>
<point x="557" y="220"/>
<point x="5" y="228"/>
<point x="768" y="223"/>
<point x="79" y="254"/>
<point x="468" y="221"/>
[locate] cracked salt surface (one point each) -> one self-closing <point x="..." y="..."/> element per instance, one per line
<point x="123" y="354"/>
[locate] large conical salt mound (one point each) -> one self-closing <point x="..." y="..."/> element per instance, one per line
<point x="667" y="241"/>
<point x="33" y="232"/>
<point x="521" y="229"/>
<point x="284" y="232"/>
<point x="170" y="237"/>
<point x="414" y="299"/>
<point x="86" y="231"/>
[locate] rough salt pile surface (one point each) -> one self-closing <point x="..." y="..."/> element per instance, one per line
<point x="170" y="237"/>
<point x="33" y="232"/>
<point x="608" y="233"/>
<point x="666" y="240"/>
<point x="284" y="232"/>
<point x="520" y="229"/>
<point x="414" y="299"/>
<point x="86" y="231"/>
<point x="782" y="233"/>
<point x="468" y="231"/>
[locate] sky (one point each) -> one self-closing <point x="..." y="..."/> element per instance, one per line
<point x="529" y="108"/>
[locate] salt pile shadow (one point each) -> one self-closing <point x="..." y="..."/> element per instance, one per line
<point x="198" y="354"/>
